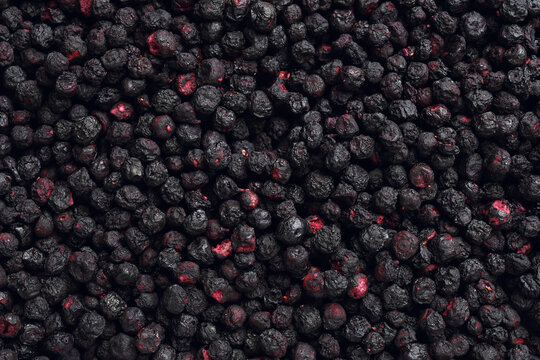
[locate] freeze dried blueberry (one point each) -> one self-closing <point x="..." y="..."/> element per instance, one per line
<point x="130" y="197"/>
<point x="233" y="317"/>
<point x="86" y="130"/>
<point x="82" y="265"/>
<point x="60" y="199"/>
<point x="132" y="320"/>
<point x="112" y="305"/>
<point x="434" y="166"/>
<point x="8" y="244"/>
<point x="149" y="338"/>
<point x="405" y="245"/>
<point x="59" y="343"/>
<point x="334" y="316"/>
<point x="152" y="220"/>
<point x="206" y="99"/>
<point x="273" y="343"/>
<point x="29" y="94"/>
<point x="122" y="346"/>
<point x="327" y="239"/>
<point x="318" y="185"/>
<point x="338" y="158"/>
<point x="421" y="175"/>
<point x="356" y="328"/>
<point x="291" y="230"/>
<point x="307" y="319"/>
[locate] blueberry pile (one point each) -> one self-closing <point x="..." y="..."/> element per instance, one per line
<point x="266" y="179"/>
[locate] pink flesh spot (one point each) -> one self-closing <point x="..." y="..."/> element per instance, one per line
<point x="310" y="283"/>
<point x="205" y="354"/>
<point x="360" y="290"/>
<point x="449" y="307"/>
<point x="121" y="111"/>
<point x="85" y="6"/>
<point x="275" y="173"/>
<point x="424" y="316"/>
<point x="185" y="279"/>
<point x="246" y="248"/>
<point x="186" y="84"/>
<point x="68" y="303"/>
<point x="153" y="45"/>
<point x="74" y="55"/>
<point x="501" y="206"/>
<point x="218" y="296"/>
<point x="315" y="224"/>
<point x="224" y="249"/>
<point x="253" y="200"/>
<point x="525" y="249"/>
<point x="430" y="267"/>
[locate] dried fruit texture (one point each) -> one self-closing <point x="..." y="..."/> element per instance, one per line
<point x="229" y="180"/>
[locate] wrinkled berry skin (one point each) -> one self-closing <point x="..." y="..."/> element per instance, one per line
<point x="255" y="179"/>
<point x="273" y="343"/>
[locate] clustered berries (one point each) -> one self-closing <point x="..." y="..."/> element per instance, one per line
<point x="265" y="179"/>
